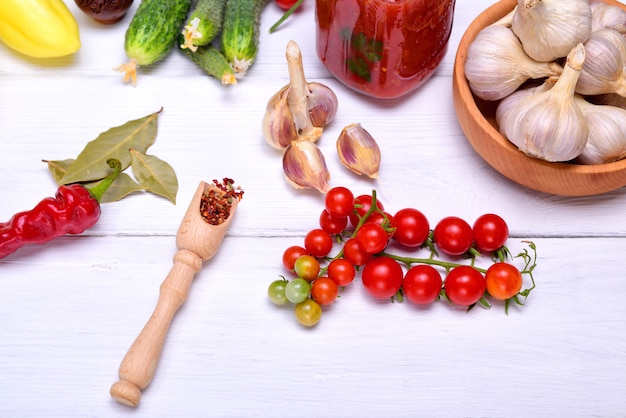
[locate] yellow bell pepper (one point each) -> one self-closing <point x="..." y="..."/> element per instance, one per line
<point x="39" y="28"/>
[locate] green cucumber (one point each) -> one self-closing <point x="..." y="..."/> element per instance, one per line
<point x="152" y="32"/>
<point x="212" y="61"/>
<point x="209" y="15"/>
<point x="240" y="33"/>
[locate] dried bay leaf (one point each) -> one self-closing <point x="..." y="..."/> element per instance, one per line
<point x="58" y="168"/>
<point x="91" y="163"/>
<point x="121" y="187"/>
<point x="154" y="174"/>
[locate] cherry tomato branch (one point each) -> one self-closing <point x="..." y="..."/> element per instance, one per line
<point x="363" y="230"/>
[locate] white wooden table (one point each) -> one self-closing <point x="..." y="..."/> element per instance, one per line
<point x="70" y="309"/>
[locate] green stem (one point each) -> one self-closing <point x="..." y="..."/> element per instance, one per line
<point x="284" y="17"/>
<point x="408" y="261"/>
<point x="98" y="190"/>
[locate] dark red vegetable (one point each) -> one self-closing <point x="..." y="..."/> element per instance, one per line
<point x="72" y="210"/>
<point x="105" y="11"/>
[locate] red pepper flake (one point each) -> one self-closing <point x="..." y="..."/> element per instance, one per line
<point x="216" y="202"/>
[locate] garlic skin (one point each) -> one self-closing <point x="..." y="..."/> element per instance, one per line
<point x="497" y="65"/>
<point x="549" y="29"/>
<point x="607" y="133"/>
<point x="611" y="99"/>
<point x="605" y="16"/>
<point x="299" y="109"/>
<point x="605" y="67"/>
<point x="358" y="150"/>
<point x="304" y="166"/>
<point x="549" y="125"/>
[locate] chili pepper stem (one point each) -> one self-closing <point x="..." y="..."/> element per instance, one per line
<point x="284" y="17"/>
<point x="99" y="189"/>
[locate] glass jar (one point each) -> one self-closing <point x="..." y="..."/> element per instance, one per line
<point x="383" y="48"/>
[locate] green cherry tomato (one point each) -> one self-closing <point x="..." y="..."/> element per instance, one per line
<point x="276" y="292"/>
<point x="297" y="290"/>
<point x="308" y="312"/>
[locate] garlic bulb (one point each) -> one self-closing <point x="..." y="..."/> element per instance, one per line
<point x="300" y="109"/>
<point x="605" y="67"/>
<point x="496" y="64"/>
<point x="507" y="107"/>
<point x="605" y="16"/>
<point x="548" y="124"/>
<point x="607" y="133"/>
<point x="304" y="166"/>
<point x="358" y="150"/>
<point x="549" y="29"/>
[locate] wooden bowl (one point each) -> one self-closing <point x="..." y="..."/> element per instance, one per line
<point x="477" y="120"/>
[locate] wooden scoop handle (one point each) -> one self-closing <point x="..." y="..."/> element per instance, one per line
<point x="140" y="363"/>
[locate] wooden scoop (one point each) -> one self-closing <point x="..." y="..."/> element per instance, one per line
<point x="197" y="241"/>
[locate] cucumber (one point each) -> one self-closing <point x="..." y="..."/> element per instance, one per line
<point x="212" y="61"/>
<point x="240" y="33"/>
<point x="152" y="32"/>
<point x="204" y="23"/>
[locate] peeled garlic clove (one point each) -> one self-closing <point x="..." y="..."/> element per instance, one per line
<point x="549" y="29"/>
<point x="279" y="129"/>
<point x="605" y="67"/>
<point x="497" y="65"/>
<point x="549" y="125"/>
<point x="305" y="166"/>
<point x="607" y="133"/>
<point x="358" y="150"/>
<point x="605" y="16"/>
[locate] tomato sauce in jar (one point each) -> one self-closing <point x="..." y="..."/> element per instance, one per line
<point x="383" y="48"/>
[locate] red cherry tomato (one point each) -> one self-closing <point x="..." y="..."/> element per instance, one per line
<point x="503" y="281"/>
<point x="353" y="253"/>
<point x="372" y="238"/>
<point x="339" y="202"/>
<point x="490" y="232"/>
<point x="464" y="285"/>
<point x="422" y="284"/>
<point x="453" y="235"/>
<point x="331" y="224"/>
<point x="318" y="243"/>
<point x="382" y="277"/>
<point x="341" y="271"/>
<point x="362" y="204"/>
<point x="385" y="220"/>
<point x="412" y="227"/>
<point x="291" y="254"/>
<point x="324" y="291"/>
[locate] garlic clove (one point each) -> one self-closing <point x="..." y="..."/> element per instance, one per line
<point x="304" y="166"/>
<point x="607" y="133"/>
<point x="549" y="29"/>
<point x="358" y="150"/>
<point x="496" y="64"/>
<point x="604" y="70"/>
<point x="279" y="129"/>
<point x="323" y="103"/>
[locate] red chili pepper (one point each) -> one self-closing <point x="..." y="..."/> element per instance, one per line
<point x="73" y="210"/>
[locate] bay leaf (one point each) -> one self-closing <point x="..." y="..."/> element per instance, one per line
<point x="58" y="168"/>
<point x="91" y="163"/>
<point x="121" y="187"/>
<point x="154" y="174"/>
